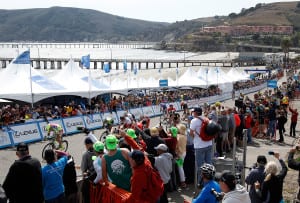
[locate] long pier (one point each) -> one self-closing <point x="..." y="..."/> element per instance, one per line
<point x="57" y="63"/>
<point x="80" y="45"/>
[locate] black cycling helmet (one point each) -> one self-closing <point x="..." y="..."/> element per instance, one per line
<point x="208" y="171"/>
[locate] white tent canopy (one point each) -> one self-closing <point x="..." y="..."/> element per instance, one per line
<point x="20" y="86"/>
<point x="76" y="80"/>
<point x="189" y="78"/>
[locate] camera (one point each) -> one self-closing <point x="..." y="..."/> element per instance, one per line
<point x="218" y="195"/>
<point x="271" y="153"/>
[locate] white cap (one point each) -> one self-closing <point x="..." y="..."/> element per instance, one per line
<point x="161" y="147"/>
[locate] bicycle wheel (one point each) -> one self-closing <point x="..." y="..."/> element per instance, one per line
<point x="50" y="145"/>
<point x="64" y="145"/>
<point x="103" y="136"/>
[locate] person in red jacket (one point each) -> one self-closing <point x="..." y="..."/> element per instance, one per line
<point x="248" y="121"/>
<point x="139" y="179"/>
<point x="294" y="119"/>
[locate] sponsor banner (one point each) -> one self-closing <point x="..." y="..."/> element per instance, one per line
<point x="156" y="110"/>
<point x="72" y="123"/>
<point x="112" y="115"/>
<point x="43" y="125"/>
<point x="25" y="133"/>
<point x="93" y="121"/>
<point x="4" y="139"/>
<point x="193" y="103"/>
<point x="148" y="111"/>
<point x="137" y="112"/>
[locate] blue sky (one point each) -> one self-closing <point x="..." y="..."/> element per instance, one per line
<point x="152" y="10"/>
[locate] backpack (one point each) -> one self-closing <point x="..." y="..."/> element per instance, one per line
<point x="209" y="129"/>
<point x="155" y="184"/>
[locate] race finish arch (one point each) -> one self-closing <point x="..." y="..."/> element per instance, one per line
<point x="259" y="70"/>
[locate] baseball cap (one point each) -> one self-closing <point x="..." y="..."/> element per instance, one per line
<point x="161" y="147"/>
<point x="22" y="147"/>
<point x="228" y="178"/>
<point x="174" y="131"/>
<point x="88" y="141"/>
<point x="98" y="146"/>
<point x="131" y="133"/>
<point x="136" y="154"/>
<point x="111" y="142"/>
<point x="261" y="159"/>
<point x="198" y="110"/>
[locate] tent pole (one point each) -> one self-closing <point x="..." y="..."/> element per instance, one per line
<point x="31" y="92"/>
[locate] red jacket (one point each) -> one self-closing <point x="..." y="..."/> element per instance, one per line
<point x="139" y="184"/>
<point x="248" y="120"/>
<point x="237" y="120"/>
<point x="294" y="117"/>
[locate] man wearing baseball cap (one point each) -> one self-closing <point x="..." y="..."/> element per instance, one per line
<point x="256" y="174"/>
<point x="234" y="193"/>
<point x="23" y="183"/>
<point x="163" y="163"/>
<point x="116" y="164"/>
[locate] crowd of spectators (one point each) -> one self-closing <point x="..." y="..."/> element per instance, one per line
<point x="14" y="113"/>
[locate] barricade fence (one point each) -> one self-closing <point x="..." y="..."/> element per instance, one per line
<point x="35" y="130"/>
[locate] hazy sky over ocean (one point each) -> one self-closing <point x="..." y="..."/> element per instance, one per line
<point x="152" y="10"/>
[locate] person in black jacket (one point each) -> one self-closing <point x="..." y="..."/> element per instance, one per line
<point x="69" y="180"/>
<point x="293" y="164"/>
<point x="272" y="186"/>
<point x="23" y="182"/>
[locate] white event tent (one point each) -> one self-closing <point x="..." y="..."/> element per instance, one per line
<point x="78" y="82"/>
<point x="21" y="82"/>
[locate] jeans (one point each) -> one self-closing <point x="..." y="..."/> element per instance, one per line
<point x="271" y="128"/>
<point x="249" y="135"/>
<point x="202" y="155"/>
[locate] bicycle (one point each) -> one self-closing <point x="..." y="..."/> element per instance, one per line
<point x="53" y="144"/>
<point x="107" y="131"/>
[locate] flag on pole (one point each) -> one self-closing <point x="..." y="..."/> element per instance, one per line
<point x="23" y="58"/>
<point x="125" y="66"/>
<point x="217" y="70"/>
<point x="135" y="70"/>
<point x="159" y="69"/>
<point x="106" y="68"/>
<point x="85" y="61"/>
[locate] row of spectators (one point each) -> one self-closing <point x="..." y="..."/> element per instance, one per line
<point x="15" y="113"/>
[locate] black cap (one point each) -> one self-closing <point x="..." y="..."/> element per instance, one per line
<point x="22" y="147"/>
<point x="88" y="141"/>
<point x="138" y="156"/>
<point x="198" y="110"/>
<point x="229" y="179"/>
<point x="261" y="159"/>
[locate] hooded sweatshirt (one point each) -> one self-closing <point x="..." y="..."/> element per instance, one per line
<point x="237" y="196"/>
<point x="163" y="163"/>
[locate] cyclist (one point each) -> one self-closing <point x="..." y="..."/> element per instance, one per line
<point x="208" y="173"/>
<point x="163" y="108"/>
<point x="57" y="131"/>
<point x="108" y="123"/>
<point x="125" y="122"/>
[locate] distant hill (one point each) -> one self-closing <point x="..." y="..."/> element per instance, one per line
<point x="61" y="24"/>
<point x="73" y="24"/>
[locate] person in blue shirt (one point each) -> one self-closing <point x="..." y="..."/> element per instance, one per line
<point x="206" y="195"/>
<point x="52" y="173"/>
